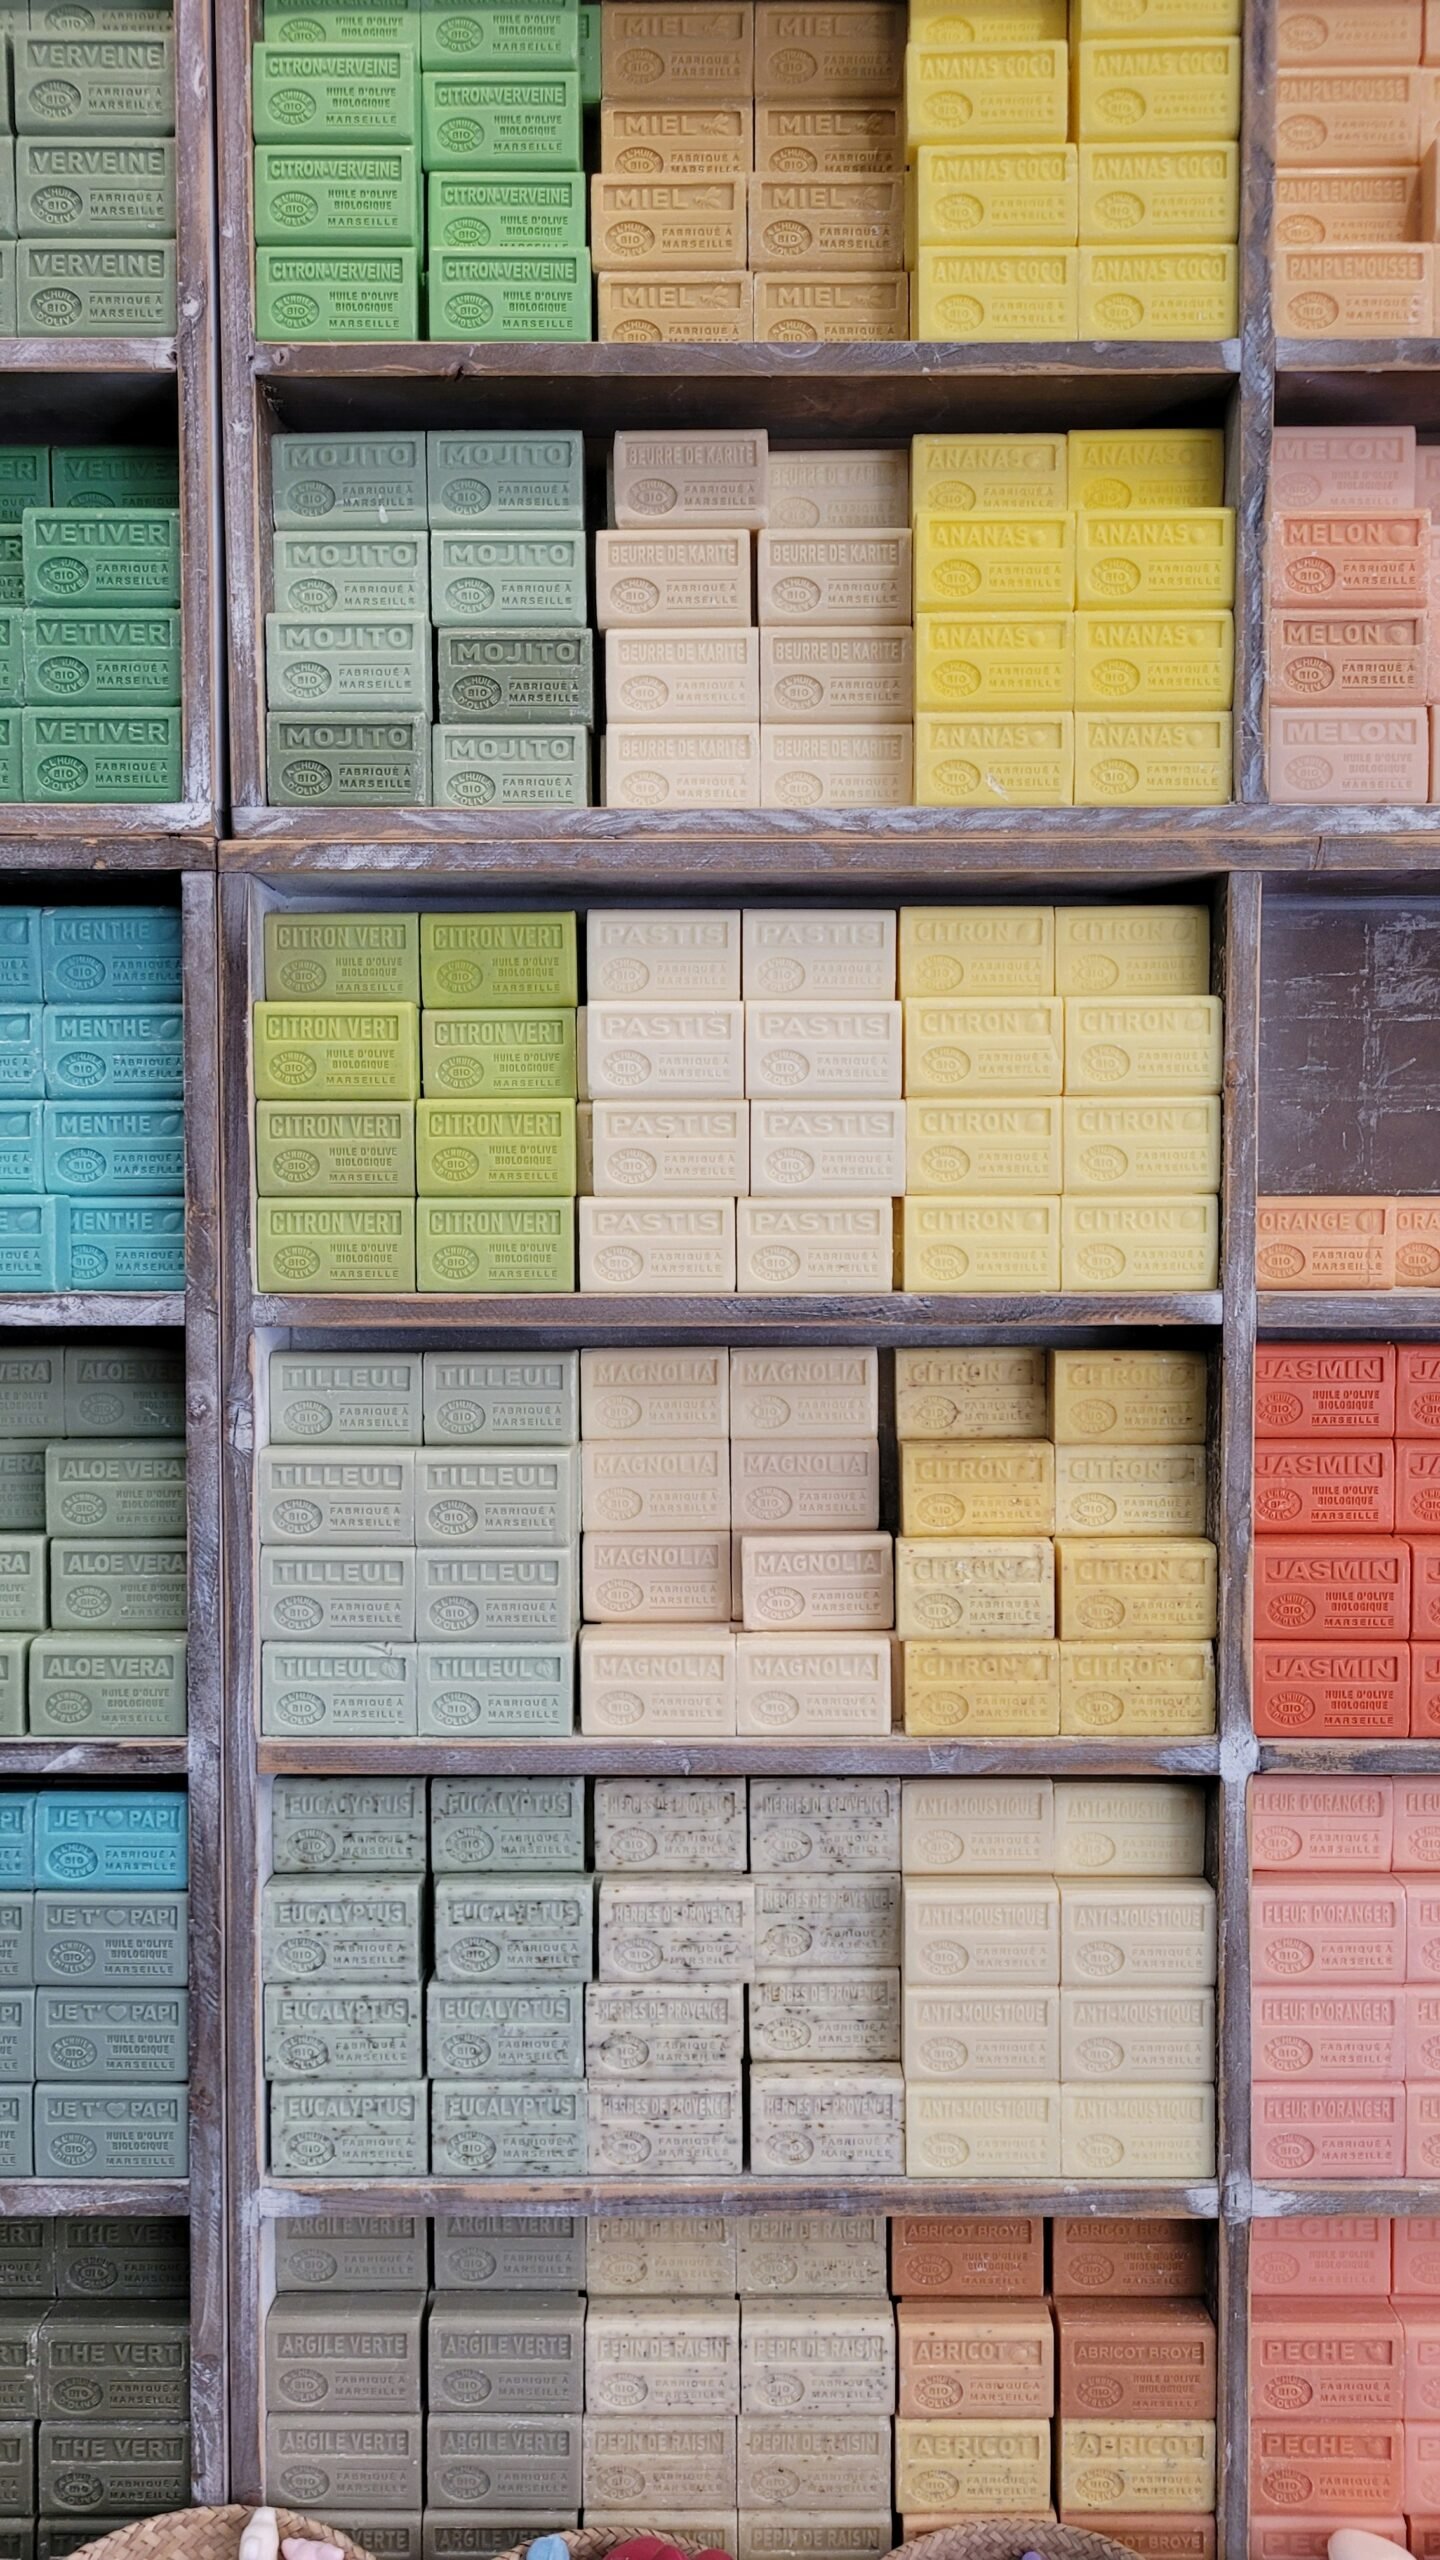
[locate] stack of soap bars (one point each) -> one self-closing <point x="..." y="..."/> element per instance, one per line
<point x="1357" y="112"/>
<point x="87" y="186"/>
<point x="91" y="1079"/>
<point x="94" y="1958"/>
<point x="446" y="165"/>
<point x="1360" y="1241"/>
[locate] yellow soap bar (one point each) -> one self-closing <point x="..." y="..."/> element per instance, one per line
<point x="1149" y="950"/>
<point x="1177" y="88"/>
<point x="1103" y="1487"/>
<point x="981" y="1248"/>
<point x="954" y="1393"/>
<point x="1184" y="191"/>
<point x="978" y="22"/>
<point x="1136" y="1398"/>
<point x="977" y="1488"/>
<point x="975" y="1587"/>
<point x="1147" y="1144"/>
<point x="1166" y="1691"/>
<point x="1157" y="661"/>
<point x="1137" y="2466"/>
<point x="989" y="92"/>
<point x="995" y="1146"/>
<point x="968" y="1686"/>
<point x="1146" y="468"/>
<point x="1010" y="196"/>
<point x="981" y="2466"/>
<point x="1140" y="1244"/>
<point x="1022" y="562"/>
<point x="999" y="760"/>
<point x="994" y="1045"/>
<point x="1156" y="760"/>
<point x="977" y="951"/>
<point x="1160" y="291"/>
<point x="995" y="295"/>
<point x="1160" y="17"/>
<point x="989" y="475"/>
<point x="1114" y="1587"/>
<point x="995" y="662"/>
<point x="1177" y="556"/>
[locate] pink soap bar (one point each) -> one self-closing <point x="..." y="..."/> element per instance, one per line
<point x="1353" y="2034"/>
<point x="1422" y="1927"/>
<point x="1417" y="1486"/>
<point x="1329" y="1688"/>
<point x="1417" y="1388"/>
<point x="1309" y="1929"/>
<point x="1417" y="1823"/>
<point x="1427" y="477"/>
<point x="1354" y="2470"/>
<point x="1422" y="2031"/>
<point x="1321" y="2254"/>
<point x="1420" y="2322"/>
<point x="1422" y="2157"/>
<point x="1341" y="556"/>
<point x="1424" y="1586"/>
<point x="1425" y="1690"/>
<point x="1422" y="2464"/>
<point x="1335" y="2359"/>
<point x="1332" y="1586"/>
<point x="1343" y="467"/>
<point x="1417" y="2255"/>
<point x="1328" y="2129"/>
<point x="1424" y="2536"/>
<point x="1343" y="1390"/>
<point x="1308" y="2537"/>
<point x="1350" y="757"/>
<point x="1322" y="1826"/>
<point x="1313" y="1485"/>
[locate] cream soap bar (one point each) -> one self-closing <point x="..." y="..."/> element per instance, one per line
<point x="669" y="2129"/>
<point x="638" y="1484"/>
<point x="1148" y="1827"/>
<point x="1001" y="1930"/>
<point x="664" y="2031"/>
<point x="982" y="2035"/>
<point x="827" y="1923"/>
<point x="676" y="1247"/>
<point x="663" y="953"/>
<point x="1141" y="1933"/>
<point x="1134" y="2038"/>
<point x="672" y="1681"/>
<point x="653" y="2254"/>
<point x="978" y="1826"/>
<point x="826" y="2359"/>
<point x="671" y="1824"/>
<point x="812" y="1245"/>
<point x="831" y="1050"/>
<point x="826" y="1581"/>
<point x="689" y="1051"/>
<point x="671" y="1394"/>
<point x="676" y="1929"/>
<point x="677" y="2356"/>
<point x="826" y="2017"/>
<point x="670" y="1150"/>
<point x="819" y="958"/>
<point x="781" y="1483"/>
<point x="824" y="1825"/>
<point x="826" y="1394"/>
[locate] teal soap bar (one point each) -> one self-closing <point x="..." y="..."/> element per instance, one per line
<point x="104" y="1687"/>
<point x="112" y="2129"/>
<point x="17" y="2160"/>
<point x="338" y="1688"/>
<point x="514" y="677"/>
<point x="111" y="1941"/>
<point x="12" y="655"/>
<point x="112" y="1838"/>
<point x="374" y="762"/>
<point x="22" y="1151"/>
<point x="32" y="1394"/>
<point x="331" y="198"/>
<point x="501" y="1399"/>
<point x="20" y="961"/>
<point x="339" y="1595"/>
<point x="14" y="1658"/>
<point x="494" y="765"/>
<point x="124" y="2257"/>
<point x="590" y="80"/>
<point x="115" y="2035"/>
<point x="347" y="2129"/>
<point x="22" y="1485"/>
<point x="521" y="581"/>
<point x="24" y="478"/>
<point x="17" y="1934"/>
<point x="135" y="2366"/>
<point x="72" y="188"/>
<point x="22" y="1062"/>
<point x="335" y="1151"/>
<point x="514" y="1928"/>
<point x="118" y="755"/>
<point x="97" y="288"/>
<point x="124" y="1389"/>
<point x="123" y="1151"/>
<point x="18" y="1815"/>
<point x="348" y="482"/>
<point x="352" y="1929"/>
<point x="361" y="1397"/>
<point x="17" y="2036"/>
<point x="352" y="572"/>
<point x="133" y="2470"/>
<point x="95" y="84"/>
<point x="373" y="1825"/>
<point x="478" y="36"/>
<point x="111" y="955"/>
<point x="511" y="2033"/>
<point x="525" y="1593"/>
<point x="500" y="119"/>
<point x="131" y="656"/>
<point x="500" y="1686"/>
<point x="126" y="1583"/>
<point x="545" y="209"/>
<point x="508" y="294"/>
<point x="335" y="93"/>
<point x="498" y="1053"/>
<point x="99" y="556"/>
<point x="513" y="2129"/>
<point x="360" y="662"/>
<point x="325" y="294"/>
<point x="122" y="1244"/>
<point x="512" y="482"/>
<point x="12" y="573"/>
<point x="331" y="2031"/>
<point x="126" y="1052"/>
<point x="520" y="1826"/>
<point x="115" y="475"/>
<point x="116" y="1488"/>
<point x="29" y="1250"/>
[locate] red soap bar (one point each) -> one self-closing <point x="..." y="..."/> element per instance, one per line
<point x="1422" y="1928"/>
<point x="1425" y="1689"/>
<point x="1341" y="1389"/>
<point x="1330" y="2359"/>
<point x="1421" y="2324"/>
<point x="1417" y="2256"/>
<point x="1424" y="1586"/>
<point x="1313" y="1485"/>
<point x="1322" y="1826"/>
<point x="1308" y="2537"/>
<point x="1161" y="2537"/>
<point x="1417" y="1823"/>
<point x="1355" y="2033"/>
<point x="1321" y="2254"/>
<point x="1348" y="2470"/>
<point x="1146" y="2260"/>
<point x="1309" y="1689"/>
<point x="1417" y="1391"/>
<point x="1328" y="2129"/>
<point x="1423" y="2533"/>
<point x="1326" y="1929"/>
<point x="1417" y="1485"/>
<point x="1422" y="2466"/>
<point x="966" y="2257"/>
<point x="1333" y="1586"/>
<point x="1123" y="2359"/>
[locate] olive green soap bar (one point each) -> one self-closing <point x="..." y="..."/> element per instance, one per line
<point x="344" y="1246"/>
<point x="116" y="1488"/>
<point x="101" y="658"/>
<point x="95" y="288"/>
<point x="27" y="2258"/>
<point x="114" y="475"/>
<point x="368" y="1826"/>
<point x="500" y="119"/>
<point x="121" y="1390"/>
<point x="507" y="959"/>
<point x="363" y="662"/>
<point x="343" y="1686"/>
<point x="22" y="1583"/>
<point x="331" y="198"/>
<point x="372" y="761"/>
<point x="481" y="764"/>
<point x="107" y="1685"/>
<point x="335" y="1151"/>
<point x="510" y="294"/>
<point x="520" y="581"/>
<point x="338" y="957"/>
<point x="125" y="1583"/>
<point x="545" y="36"/>
<point x="67" y="187"/>
<point x="95" y="84"/>
<point x="24" y="478"/>
<point x="14" y="1675"/>
<point x="359" y="1398"/>
<point x="361" y="481"/>
<point x="22" y="1484"/>
<point x="330" y="2031"/>
<point x="495" y="1248"/>
<point x="508" y="209"/>
<point x="101" y="755"/>
<point x="332" y="1052"/>
<point x="497" y="1687"/>
<point x="110" y="2129"/>
<point x="97" y="2361"/>
<point x="498" y="1053"/>
<point x="20" y="2325"/>
<point x="347" y="94"/>
<point x="337" y="293"/>
<point x="495" y="1150"/>
<point x="509" y="481"/>
<point x="101" y="556"/>
<point x="365" y="573"/>
<point x="516" y="676"/>
<point x="127" y="2256"/>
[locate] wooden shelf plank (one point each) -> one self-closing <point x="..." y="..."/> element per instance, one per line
<point x="583" y="1318"/>
<point x="1359" y="1315"/>
<point x="294" y="2200"/>
<point x="51" y="2197"/>
<point x="87" y="355"/>
<point x="1403" y="2196"/>
<point x="33" y="1756"/>
<point x="913" y="361"/>
<point x="36" y="839"/>
<point x="1351" y="1758"/>
<point x="885" y="1755"/>
<point x="96" y="1309"/>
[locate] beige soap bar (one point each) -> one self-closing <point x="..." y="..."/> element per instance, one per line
<point x="1003" y="1930"/>
<point x="827" y="1150"/>
<point x="690" y="53"/>
<point x="1137" y="1399"/>
<point x="669" y="1150"/>
<point x="1154" y="2131"/>
<point x="852" y="2016"/>
<point x="1141" y="1933"/>
<point x="835" y="1049"/>
<point x="702" y="307"/>
<point x="827" y="1923"/>
<point x="683" y="2463"/>
<point x="864" y="765"/>
<point x="1001" y="2129"/>
<point x="666" y="225"/>
<point x="963" y="1394"/>
<point x="973" y="1687"/>
<point x="695" y="676"/>
<point x="822" y="2120"/>
<point x="1159" y="1689"/>
<point x="824" y="224"/>
<point x="670" y="1394"/>
<point x="780" y="1483"/>
<point x="659" y="954"/>
<point x="676" y="1928"/>
<point x="1135" y="1492"/>
<point x="828" y="1580"/>
<point x="810" y="2253"/>
<point x="1141" y="2466"/>
<point x="675" y="2358"/>
<point x="656" y="766"/>
<point x="824" y="2358"/>
<point x="964" y="1046"/>
<point x="671" y="1247"/>
<point x="852" y="139"/>
<point x="791" y="2463"/>
<point x="691" y="479"/>
<point x="976" y="2359"/>
<point x="687" y="1050"/>
<point x="990" y="1149"/>
<point x="974" y="1587"/>
<point x="977" y="1488"/>
<point x="850" y="50"/>
<point x="819" y="955"/>
<point x="1129" y="1826"/>
<point x="981" y="1245"/>
<point x="838" y="578"/>
<point x="655" y="1484"/>
<point x="834" y="676"/>
<point x="973" y="2466"/>
<point x="978" y="1826"/>
<point x="974" y="952"/>
<point x="670" y="1825"/>
<point x="981" y="2035"/>
<point x="679" y="1578"/>
<point x="1153" y="950"/>
<point x="675" y="140"/>
<point x="660" y="2254"/>
<point x="672" y="1682"/>
<point x="814" y="1247"/>
<point x="834" y="310"/>
<point x="858" y="487"/>
<point x="826" y="1394"/>
<point x="824" y="1825"/>
<point x="674" y="579"/>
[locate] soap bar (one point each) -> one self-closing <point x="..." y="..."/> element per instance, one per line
<point x="1009" y="1925"/>
<point x="1309" y="1485"/>
<point x="112" y="2130"/>
<point x="664" y="223"/>
<point x="672" y="2128"/>
<point x="703" y="307"/>
<point x="529" y="1053"/>
<point x="506" y="2350"/>
<point x="1157" y="1689"/>
<point x="869" y="765"/>
<point x="354" y="1500"/>
<point x="837" y="676"/>
<point x="656" y="1486"/>
<point x="334" y="293"/>
<point x="139" y="1583"/>
<point x="511" y="767"/>
<point x="975" y="1587"/>
<point x="671" y="1150"/>
<point x="998" y="294"/>
<point x="811" y="309"/>
<point x="542" y="35"/>
<point x="1011" y="195"/>
<point x="508" y="293"/>
<point x="1003" y="93"/>
<point x="676" y="1929"/>
<point x="341" y="95"/>
<point x="1131" y="1491"/>
<point x="973" y="2360"/>
<point x="498" y="1498"/>
<point x="986" y="1687"/>
<point x="994" y="761"/>
<point x="29" y="1259"/>
<point x="496" y="1686"/>
<point x="831" y="1049"/>
<point x="654" y="767"/>
<point x="694" y="480"/>
<point x="1005" y="475"/>
<point x="362" y="1398"/>
<point x="335" y="1052"/>
<point x="671" y="1680"/>
<point x="1330" y="2035"/>
<point x="841" y="1245"/>
<point x="117" y="657"/>
<point x="1326" y="1244"/>
<point x="342" y="1150"/>
<point x="494" y="1824"/>
<point x="366" y="664"/>
<point x="1358" y="556"/>
<point x="835" y="1485"/>
<point x="655" y="1395"/>
<point x="540" y="212"/>
<point x="322" y="1824"/>
<point x="976" y="952"/>
<point x="1150" y="1147"/>
<point x="334" y="198"/>
<point x="107" y="1685"/>
<point x="125" y="1489"/>
<point x="1187" y="192"/>
<point x="358" y="1929"/>
<point x="1157" y="2461"/>
<point x="839" y="1580"/>
<point x="686" y="580"/>
<point x="112" y="755"/>
<point x="111" y="1388"/>
<point x="649" y="53"/>
<point x="682" y="675"/>
<point x="1328" y="1687"/>
<point x="668" y="1246"/>
<point x="516" y="677"/>
<point x="992" y="1047"/>
<point x="670" y="1823"/>
<point x="1183" y="557"/>
<point x="500" y="119"/>
<point x="834" y="579"/>
<point x="1171" y="1045"/>
<point x="824" y="1394"/>
<point x="362" y="2352"/>
<point x="338" y="1686"/>
<point x="95" y="288"/>
<point x="828" y="224"/>
<point x="499" y="1149"/>
<point x="124" y="1153"/>
<point x="338" y="763"/>
<point x="515" y="2129"/>
<point x="513" y="1928"/>
<point x="504" y="2035"/>
<point x="985" y="2035"/>
<point x="502" y="1593"/>
<point x="362" y="2462"/>
<point x="1192" y="292"/>
<point x="827" y="2359"/>
<point x="680" y="2357"/>
<point x="501" y="1399"/>
<point x="981" y="1245"/>
<point x="825" y="2119"/>
<point x="849" y="2017"/>
<point x="958" y="1826"/>
<point x="967" y="2259"/>
<point x="515" y="581"/>
<point x="976" y="2466"/>
<point x="364" y="482"/>
<point x="337" y="1594"/>
<point x="1187" y="88"/>
<point x="994" y="661"/>
<point x="120" y="1052"/>
<point x="678" y="140"/>
<point x="113" y="84"/>
<point x="827" y="1923"/>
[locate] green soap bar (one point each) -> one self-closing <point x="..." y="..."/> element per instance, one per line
<point x="517" y="1928"/>
<point x="29" y="1248"/>
<point x="356" y="2131"/>
<point x="374" y="1825"/>
<point x="495" y="1150"/>
<point x="352" y="573"/>
<point x="528" y="1826"/>
<point x="356" y="1929"/>
<point x="482" y="765"/>
<point x="17" y="2041"/>
<point x="95" y="288"/>
<point x="358" y="482"/>
<point x="331" y="23"/>
<point x="335" y="1151"/>
<point x="496" y="1497"/>
<point x="22" y="1582"/>
<point x="506" y="2034"/>
<point x="22" y="1147"/>
<point x="17" y="2435"/>
<point x="14" y="1656"/>
<point x="58" y="2539"/>
<point x="123" y="1390"/>
<point x="113" y="2129"/>
<point x="336" y="1052"/>
<point x="337" y="293"/>
<point x="500" y="959"/>
<point x="503" y="1399"/>
<point x="17" y="1931"/>
<point x="95" y="85"/>
<point x="83" y="190"/>
<point x="525" y="1593"/>
<point x="12" y="655"/>
<point x="515" y="2129"/>
<point x="363" y="1397"/>
<point x="101" y="755"/>
<point x="20" y="2325"/>
<point x="107" y="1685"/>
<point x="32" y="1393"/>
<point x="339" y="2253"/>
<point x="496" y="1687"/>
<point x="130" y="1583"/>
<point x="98" y="658"/>
<point x="9" y="289"/>
<point x="12" y="572"/>
<point x="510" y="294"/>
<point x="335" y="93"/>
<point x="336" y="199"/>
<point x="344" y="1687"/>
<point x="521" y="581"/>
<point x="138" y="2471"/>
<point x="365" y="664"/>
<point x="127" y="2256"/>
<point x="24" y="478"/>
<point x="12" y="752"/>
<point x="115" y="475"/>
<point x="500" y="120"/>
<point x="80" y="17"/>
<point x="509" y="481"/>
<point x="590" y="82"/>
<point x="335" y="763"/>
<point x="325" y="2031"/>
<point x="101" y="556"/>
<point x="495" y="1247"/>
<point x="508" y="209"/>
<point x="132" y="2365"/>
<point x="336" y="1498"/>
<point x="545" y="36"/>
<point x="8" y="223"/>
<point x="22" y="1485"/>
<point x="121" y="2035"/>
<point x="123" y="1244"/>
<point x="499" y="1053"/>
<point x="116" y="1488"/>
<point x="134" y="1151"/>
<point x="516" y="677"/>
<point x="343" y="1246"/>
<point x="27" y="2257"/>
<point x="338" y="1595"/>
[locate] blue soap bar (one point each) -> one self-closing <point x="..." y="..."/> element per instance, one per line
<point x="118" y="1150"/>
<point x="17" y="1839"/>
<point x="20" y="981"/>
<point x="110" y="955"/>
<point x="22" y="1063"/>
<point x="121" y="1244"/>
<point x="128" y="1838"/>
<point x="127" y="1052"/>
<point x="17" y="2144"/>
<point x="21" y="1147"/>
<point x="29" y="1246"/>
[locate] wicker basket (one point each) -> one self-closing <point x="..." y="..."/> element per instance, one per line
<point x="1009" y="2538"/>
<point x="205" y="2533"/>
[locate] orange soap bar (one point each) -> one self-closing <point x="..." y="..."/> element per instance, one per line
<point x="1314" y="1485"/>
<point x="1352" y="2033"/>
<point x="1417" y="1244"/>
<point x="1350" y="31"/>
<point x="1158" y="2537"/>
<point x="1416" y="2267"/>
<point x="1321" y="2254"/>
<point x="1332" y="208"/>
<point x="1328" y="2129"/>
<point x="1417" y="1486"/>
<point x="1148" y="2261"/>
<point x="1120" y="2359"/>
<point x="1324" y="1243"/>
<point x="975" y="2359"/>
<point x="1417" y="1824"/>
<point x="1422" y="1929"/>
<point x="1322" y="1826"/>
<point x="1423" y="2536"/>
<point x="1425" y="1690"/>
<point x="1308" y="2537"/>
<point x="1420" y="2323"/>
<point x="1425" y="1587"/>
<point x="1335" y="2359"/>
<point x="1322" y="1587"/>
<point x="1341" y="1389"/>
<point x="1422" y="2437"/>
<point x="1374" y="658"/>
<point x="1343" y="466"/>
<point x="1327" y="1929"/>
<point x="1308" y="1692"/>
<point x="1346" y="119"/>
<point x="1358" y="555"/>
<point x="1417" y="1391"/>
<point x="966" y="2256"/>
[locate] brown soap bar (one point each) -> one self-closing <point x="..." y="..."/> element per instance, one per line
<point x="1135" y="2359"/>
<point x="676" y="55"/>
<point x="849" y="50"/>
<point x="968" y="2256"/>
<point x="1149" y="2259"/>
<point x="358" y="2353"/>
